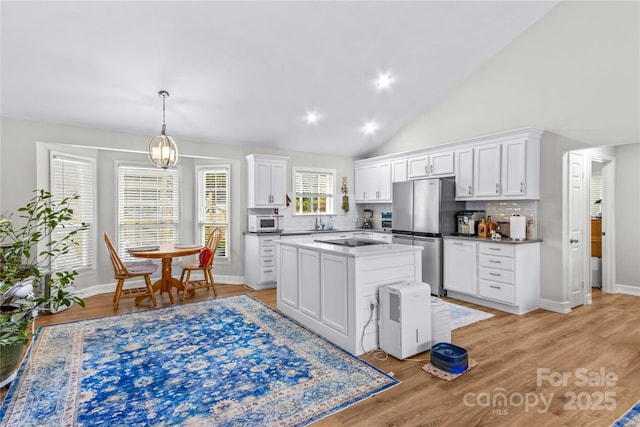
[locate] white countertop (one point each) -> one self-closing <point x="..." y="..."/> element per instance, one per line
<point x="359" y="251"/>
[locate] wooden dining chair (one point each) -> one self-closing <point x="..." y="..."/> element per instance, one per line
<point x="123" y="271"/>
<point x="206" y="267"/>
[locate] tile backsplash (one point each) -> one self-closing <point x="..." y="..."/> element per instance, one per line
<point x="501" y="210"/>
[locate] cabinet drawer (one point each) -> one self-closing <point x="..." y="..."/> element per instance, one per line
<point x="497" y="291"/>
<point x="495" y="262"/>
<point x="496" y="275"/>
<point x="268" y="241"/>
<point x="502" y="249"/>
<point x="267" y="261"/>
<point x="268" y="251"/>
<point x="268" y="274"/>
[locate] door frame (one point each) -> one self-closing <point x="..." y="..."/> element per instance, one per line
<point x="608" y="221"/>
<point x="608" y="224"/>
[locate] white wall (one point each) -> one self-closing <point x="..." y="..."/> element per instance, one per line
<point x="628" y="216"/>
<point x="19" y="178"/>
<point x="575" y="74"/>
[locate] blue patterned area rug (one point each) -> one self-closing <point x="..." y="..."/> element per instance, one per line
<point x="228" y="361"/>
<point x="630" y="419"/>
<point x="464" y="316"/>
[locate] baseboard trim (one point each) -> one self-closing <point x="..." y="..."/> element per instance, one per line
<point x="627" y="290"/>
<point x="107" y="288"/>
<point x="556" y="306"/>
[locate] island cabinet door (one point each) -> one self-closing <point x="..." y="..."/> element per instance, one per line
<point x="309" y="283"/>
<point x="288" y="276"/>
<point x="333" y="292"/>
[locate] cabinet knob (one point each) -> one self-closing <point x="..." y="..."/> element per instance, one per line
<point x="431" y="168"/>
<point x="497" y="188"/>
<point x="573" y="240"/>
<point x="495" y="287"/>
<point x="469" y="190"/>
<point x="426" y="170"/>
<point x="522" y="187"/>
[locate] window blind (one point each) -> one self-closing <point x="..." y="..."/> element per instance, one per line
<point x="314" y="192"/>
<point x="596" y="194"/>
<point x="148" y="207"/>
<point x="69" y="176"/>
<point x="213" y="205"/>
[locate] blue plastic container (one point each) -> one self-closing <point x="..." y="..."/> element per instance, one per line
<point x="449" y="358"/>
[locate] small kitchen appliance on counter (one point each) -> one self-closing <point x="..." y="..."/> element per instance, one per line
<point x="385" y="219"/>
<point x="368" y="216"/>
<point x="467" y="222"/>
<point x="264" y="223"/>
<point x="518" y="227"/>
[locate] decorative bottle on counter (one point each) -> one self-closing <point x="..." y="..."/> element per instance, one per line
<point x="490" y="226"/>
<point x="482" y="228"/>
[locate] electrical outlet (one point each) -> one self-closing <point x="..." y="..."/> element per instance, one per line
<point x="372" y="303"/>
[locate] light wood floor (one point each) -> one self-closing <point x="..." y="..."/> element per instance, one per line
<point x="603" y="337"/>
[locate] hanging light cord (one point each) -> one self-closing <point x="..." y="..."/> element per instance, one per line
<point x="164" y="97"/>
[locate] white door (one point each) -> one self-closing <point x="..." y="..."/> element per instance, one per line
<point x="576" y="229"/>
<point x="262" y="184"/>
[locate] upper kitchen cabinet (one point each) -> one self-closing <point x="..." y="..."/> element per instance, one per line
<point x="486" y="170"/>
<point x="464" y="173"/>
<point x="373" y="183"/>
<point x="509" y="169"/>
<point x="431" y="165"/>
<point x="418" y="166"/>
<point x="399" y="170"/>
<point x="266" y="181"/>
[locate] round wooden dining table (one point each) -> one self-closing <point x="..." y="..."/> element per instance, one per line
<point x="166" y="251"/>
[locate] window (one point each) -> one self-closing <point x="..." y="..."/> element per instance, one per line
<point x="148" y="206"/>
<point x="213" y="205"/>
<point x="314" y="191"/>
<point x="74" y="175"/>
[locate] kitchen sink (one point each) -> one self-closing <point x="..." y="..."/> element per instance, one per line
<point x="352" y="243"/>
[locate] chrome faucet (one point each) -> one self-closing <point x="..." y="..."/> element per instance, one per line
<point x="319" y="223"/>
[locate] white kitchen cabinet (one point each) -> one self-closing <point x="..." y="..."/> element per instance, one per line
<point x="399" y="170"/>
<point x="266" y="181"/>
<point x="418" y="166"/>
<point x="441" y="164"/>
<point x="334" y="286"/>
<point x="486" y="170"/>
<point x="288" y="276"/>
<point x="260" y="260"/>
<point x="373" y="183"/>
<point x="310" y="284"/>
<point x="460" y="266"/>
<point x="464" y="173"/>
<point x="514" y="167"/>
<point x="507" y="275"/>
<point x="345" y="281"/>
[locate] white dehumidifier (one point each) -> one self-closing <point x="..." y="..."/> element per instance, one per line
<point x="405" y="318"/>
<point x="440" y="321"/>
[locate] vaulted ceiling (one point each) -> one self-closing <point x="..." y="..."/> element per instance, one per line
<point x="247" y="73"/>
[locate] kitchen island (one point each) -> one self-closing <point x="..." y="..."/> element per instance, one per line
<point x="330" y="288"/>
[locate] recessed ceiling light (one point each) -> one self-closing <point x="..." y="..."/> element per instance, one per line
<point x="312" y="118"/>
<point x="383" y="81"/>
<point x="370" y="128"/>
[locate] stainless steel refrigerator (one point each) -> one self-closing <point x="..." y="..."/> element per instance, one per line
<point x="423" y="211"/>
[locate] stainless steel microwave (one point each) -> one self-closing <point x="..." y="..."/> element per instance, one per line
<point x="264" y="223"/>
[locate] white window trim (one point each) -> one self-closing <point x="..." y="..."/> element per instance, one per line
<point x="299" y="169"/>
<point x="94" y="225"/>
<point x="116" y="221"/>
<point x="198" y="189"/>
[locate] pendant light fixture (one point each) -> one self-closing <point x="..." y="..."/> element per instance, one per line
<point x="163" y="151"/>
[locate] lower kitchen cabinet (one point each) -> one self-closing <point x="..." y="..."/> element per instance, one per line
<point x="260" y="260"/>
<point x="459" y="270"/>
<point x="504" y="276"/>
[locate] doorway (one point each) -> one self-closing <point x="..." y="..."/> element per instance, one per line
<point x="590" y="233"/>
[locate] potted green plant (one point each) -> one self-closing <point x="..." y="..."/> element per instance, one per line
<point x="30" y="244"/>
